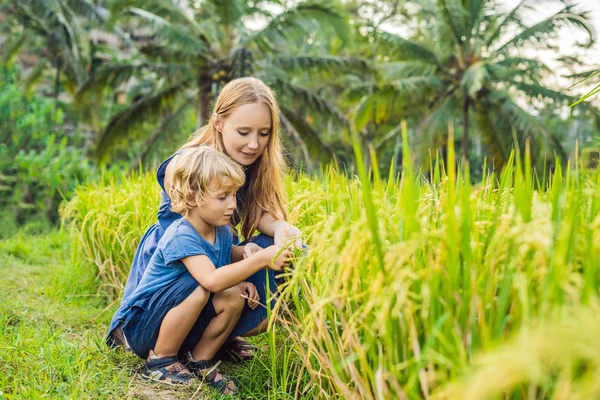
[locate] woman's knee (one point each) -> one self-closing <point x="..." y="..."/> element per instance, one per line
<point x="258" y="329"/>
<point x="263" y="240"/>
<point x="229" y="299"/>
<point x="262" y="327"/>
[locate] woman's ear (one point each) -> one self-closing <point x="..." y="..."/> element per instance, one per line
<point x="218" y="123"/>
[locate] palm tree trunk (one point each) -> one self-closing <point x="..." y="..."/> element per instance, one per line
<point x="57" y="84"/>
<point x="465" y="136"/>
<point x="365" y="140"/>
<point x="202" y="116"/>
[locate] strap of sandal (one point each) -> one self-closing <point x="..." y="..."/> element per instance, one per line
<point x="239" y="344"/>
<point x="207" y="364"/>
<point x="210" y="376"/>
<point x="162" y="362"/>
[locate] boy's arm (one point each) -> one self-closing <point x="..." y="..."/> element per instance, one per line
<point x="219" y="279"/>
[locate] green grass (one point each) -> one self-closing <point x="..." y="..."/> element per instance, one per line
<point x="50" y="347"/>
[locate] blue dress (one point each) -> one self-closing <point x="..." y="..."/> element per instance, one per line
<point x="249" y="318"/>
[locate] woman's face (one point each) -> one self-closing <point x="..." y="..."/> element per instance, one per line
<point x="246" y="132"/>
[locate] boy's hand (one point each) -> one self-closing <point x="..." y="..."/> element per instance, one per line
<point x="250" y="293"/>
<point x="250" y="248"/>
<point x="277" y="258"/>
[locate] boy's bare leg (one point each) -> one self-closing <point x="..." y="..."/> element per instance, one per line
<point x="228" y="306"/>
<point x="178" y="323"/>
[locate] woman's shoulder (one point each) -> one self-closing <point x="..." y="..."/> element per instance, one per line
<point x="165" y="170"/>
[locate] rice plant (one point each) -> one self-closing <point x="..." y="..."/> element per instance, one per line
<point x="407" y="279"/>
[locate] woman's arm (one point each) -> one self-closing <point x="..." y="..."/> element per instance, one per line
<point x="281" y="230"/>
<point x="268" y="225"/>
<point x="237" y="253"/>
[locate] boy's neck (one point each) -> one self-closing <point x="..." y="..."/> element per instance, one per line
<point x="204" y="229"/>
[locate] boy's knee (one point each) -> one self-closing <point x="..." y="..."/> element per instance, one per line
<point x="199" y="296"/>
<point x="230" y="299"/>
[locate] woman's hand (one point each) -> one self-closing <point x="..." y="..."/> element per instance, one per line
<point x="284" y="233"/>
<point x="250" y="293"/>
<point x="249" y="249"/>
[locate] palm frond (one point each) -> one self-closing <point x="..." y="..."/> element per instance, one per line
<point x="306" y="135"/>
<point x="89" y="10"/>
<point x="170" y="125"/>
<point x="416" y="86"/>
<point x="474" y="78"/>
<point x="176" y="35"/>
<point x="293" y="94"/>
<point x="540" y="92"/>
<point x="12" y="46"/>
<point x="397" y="97"/>
<point x="374" y="107"/>
<point x="35" y="75"/>
<point x="406" y="69"/>
<point x="173" y="11"/>
<point x="226" y="12"/>
<point x="498" y="29"/>
<point x="298" y="22"/>
<point x="454" y="16"/>
<point x="165" y="53"/>
<point x="584" y="75"/>
<point x="319" y="65"/>
<point x="432" y="130"/>
<point x="508" y="116"/>
<point x="399" y="48"/>
<point x="148" y="108"/>
<point x="535" y="69"/>
<point x="115" y="75"/>
<point x="540" y="31"/>
<point x="493" y="140"/>
<point x="390" y="135"/>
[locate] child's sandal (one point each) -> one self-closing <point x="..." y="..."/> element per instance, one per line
<point x="233" y="352"/>
<point x="207" y="372"/>
<point x="156" y="370"/>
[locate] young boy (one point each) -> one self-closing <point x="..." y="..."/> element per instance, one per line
<point x="190" y="296"/>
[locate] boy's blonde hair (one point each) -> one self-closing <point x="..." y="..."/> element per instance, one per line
<point x="266" y="191"/>
<point x="199" y="171"/>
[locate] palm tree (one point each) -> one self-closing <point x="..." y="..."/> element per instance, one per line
<point x="57" y="32"/>
<point x="466" y="66"/>
<point x="195" y="48"/>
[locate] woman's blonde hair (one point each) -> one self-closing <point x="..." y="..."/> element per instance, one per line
<point x="265" y="192"/>
<point x="199" y="171"/>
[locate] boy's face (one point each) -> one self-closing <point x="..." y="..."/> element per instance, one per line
<point x="218" y="206"/>
<point x="246" y="132"/>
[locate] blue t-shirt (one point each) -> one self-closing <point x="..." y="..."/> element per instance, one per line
<point x="179" y="241"/>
